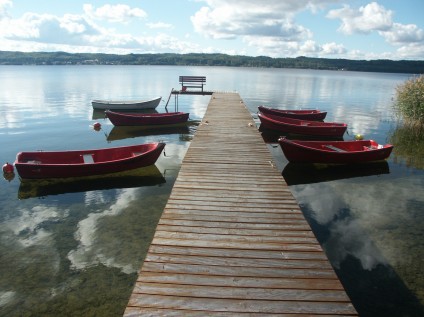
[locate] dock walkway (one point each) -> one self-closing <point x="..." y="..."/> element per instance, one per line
<point x="232" y="240"/>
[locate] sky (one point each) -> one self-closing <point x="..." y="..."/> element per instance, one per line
<point x="355" y="29"/>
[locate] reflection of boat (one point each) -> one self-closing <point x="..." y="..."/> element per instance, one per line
<point x="59" y="164"/>
<point x="136" y="119"/>
<point x="297" y="174"/>
<point x="313" y="115"/>
<point x="144" y="176"/>
<point x="119" y="133"/>
<point x="304" y="127"/>
<point x="334" y="152"/>
<point x="125" y="104"/>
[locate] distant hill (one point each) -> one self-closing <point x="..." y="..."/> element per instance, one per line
<point x="197" y="59"/>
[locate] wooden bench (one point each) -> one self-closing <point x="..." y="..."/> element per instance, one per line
<point x="192" y="82"/>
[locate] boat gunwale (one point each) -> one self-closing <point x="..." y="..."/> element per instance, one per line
<point x="292" y="111"/>
<point x="298" y="143"/>
<point x="310" y="123"/>
<point x="146" y="115"/>
<point x="124" y="102"/>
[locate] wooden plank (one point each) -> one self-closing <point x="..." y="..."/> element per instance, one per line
<point x="232" y="239"/>
<point x="289" y="230"/>
<point x="237" y="271"/>
<point x="233" y="292"/>
<point x="240" y="186"/>
<point x="223" y="281"/>
<point x="149" y="311"/>
<point x="250" y="254"/>
<point x="284" y="192"/>
<point x="231" y="224"/>
<point x="222" y="194"/>
<point x="223" y="206"/>
<point x="231" y="202"/>
<point x="295" y="237"/>
<point x="241" y="262"/>
<point x="226" y="218"/>
<point x="241" y="305"/>
<point x="286" y="246"/>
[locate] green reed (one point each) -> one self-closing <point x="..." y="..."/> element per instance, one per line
<point x="409" y="102"/>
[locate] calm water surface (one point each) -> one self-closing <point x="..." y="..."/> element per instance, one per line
<point x="73" y="248"/>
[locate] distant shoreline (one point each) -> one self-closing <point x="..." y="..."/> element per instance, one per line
<point x="199" y="59"/>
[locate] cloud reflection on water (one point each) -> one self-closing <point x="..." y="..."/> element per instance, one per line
<point x="29" y="253"/>
<point x="90" y="250"/>
<point x="372" y="219"/>
<point x="28" y="225"/>
<point x="346" y="236"/>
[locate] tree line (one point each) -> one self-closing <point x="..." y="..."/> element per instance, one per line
<point x="199" y="59"/>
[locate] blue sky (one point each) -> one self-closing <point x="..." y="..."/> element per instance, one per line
<point x="356" y="29"/>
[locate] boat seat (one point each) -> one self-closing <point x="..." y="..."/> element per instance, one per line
<point x="372" y="147"/>
<point x="88" y="158"/>
<point x="331" y="147"/>
<point x="33" y="162"/>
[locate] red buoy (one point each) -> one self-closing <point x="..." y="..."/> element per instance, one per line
<point x="97" y="126"/>
<point x="8" y="168"/>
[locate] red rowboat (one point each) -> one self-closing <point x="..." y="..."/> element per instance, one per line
<point x="337" y="152"/>
<point x="306" y="127"/>
<point x="60" y="164"/>
<point x="312" y="115"/>
<point x="136" y="119"/>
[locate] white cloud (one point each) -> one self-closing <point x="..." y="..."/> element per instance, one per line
<point x="372" y="17"/>
<point x="235" y="27"/>
<point x="267" y="27"/>
<point x="333" y="49"/>
<point x="114" y="13"/>
<point x="223" y="20"/>
<point x="274" y="8"/>
<point x="310" y="47"/>
<point x="411" y="51"/>
<point x="403" y="33"/>
<point x="160" y="25"/>
<point x="4" y="5"/>
<point x="49" y="29"/>
<point x="80" y="33"/>
<point x="375" y="18"/>
<point x="276" y="48"/>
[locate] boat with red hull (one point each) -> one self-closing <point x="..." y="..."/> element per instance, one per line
<point x="137" y="119"/>
<point x="61" y="164"/>
<point x="302" y="114"/>
<point x="334" y="152"/>
<point x="304" y="127"/>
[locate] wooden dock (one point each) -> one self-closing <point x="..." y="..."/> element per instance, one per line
<point x="232" y="240"/>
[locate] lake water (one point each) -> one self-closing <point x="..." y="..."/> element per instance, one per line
<point x="74" y="248"/>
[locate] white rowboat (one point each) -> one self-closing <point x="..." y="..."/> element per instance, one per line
<point x="125" y="104"/>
